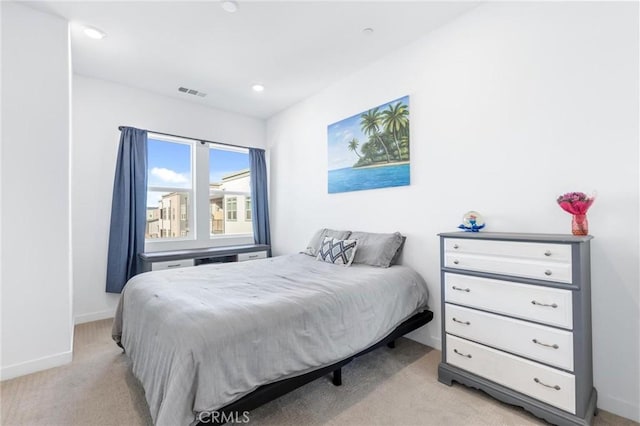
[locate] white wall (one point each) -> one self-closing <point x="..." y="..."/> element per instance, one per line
<point x="512" y="104"/>
<point x="36" y="281"/>
<point x="99" y="107"/>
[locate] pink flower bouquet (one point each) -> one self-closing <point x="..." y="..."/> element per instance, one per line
<point x="577" y="203"/>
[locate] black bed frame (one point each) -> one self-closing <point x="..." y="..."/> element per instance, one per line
<point x="271" y="391"/>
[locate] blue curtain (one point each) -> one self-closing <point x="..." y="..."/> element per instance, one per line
<point x="128" y="209"/>
<point x="259" y="199"/>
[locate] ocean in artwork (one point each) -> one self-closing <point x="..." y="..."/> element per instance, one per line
<point x="370" y="150"/>
<point x="358" y="179"/>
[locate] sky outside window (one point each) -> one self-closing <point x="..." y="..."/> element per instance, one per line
<point x="223" y="162"/>
<point x="169" y="164"/>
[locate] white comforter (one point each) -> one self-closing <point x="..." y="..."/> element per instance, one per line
<point x="202" y="337"/>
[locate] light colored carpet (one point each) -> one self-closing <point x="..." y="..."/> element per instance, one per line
<point x="385" y="387"/>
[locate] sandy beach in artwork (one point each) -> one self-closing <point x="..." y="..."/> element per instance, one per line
<point x="373" y="166"/>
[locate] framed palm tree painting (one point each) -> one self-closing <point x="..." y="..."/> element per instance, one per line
<point x="370" y="150"/>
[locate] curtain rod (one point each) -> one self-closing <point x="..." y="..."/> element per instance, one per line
<point x="202" y="141"/>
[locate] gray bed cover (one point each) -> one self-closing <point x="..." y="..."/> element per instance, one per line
<point x="200" y="338"/>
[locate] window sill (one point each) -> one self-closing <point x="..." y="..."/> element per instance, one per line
<point x="217" y="241"/>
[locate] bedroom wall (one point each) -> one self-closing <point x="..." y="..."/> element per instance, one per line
<point x="99" y="107"/>
<point x="512" y="104"/>
<point x="37" y="329"/>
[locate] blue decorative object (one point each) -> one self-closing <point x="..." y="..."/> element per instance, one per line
<point x="472" y="222"/>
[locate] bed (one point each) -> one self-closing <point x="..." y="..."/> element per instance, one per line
<point x="232" y="336"/>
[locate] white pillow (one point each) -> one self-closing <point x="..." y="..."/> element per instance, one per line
<point x="338" y="252"/>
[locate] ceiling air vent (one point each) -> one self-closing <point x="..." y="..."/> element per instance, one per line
<point x="191" y="92"/>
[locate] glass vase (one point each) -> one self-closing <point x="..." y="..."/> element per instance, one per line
<point x="579" y="224"/>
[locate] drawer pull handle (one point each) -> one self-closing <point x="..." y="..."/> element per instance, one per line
<point x="175" y="265"/>
<point x="464" y="355"/>
<point x="556" y="387"/>
<point x="461" y="322"/>
<point x="461" y="289"/>
<point x="455" y="262"/>
<point x="552" y="305"/>
<point x="455" y="246"/>
<point x="537" y="342"/>
<point x="547" y="272"/>
<point x="547" y="253"/>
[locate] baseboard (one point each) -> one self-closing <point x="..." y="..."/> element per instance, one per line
<point x="93" y="316"/>
<point x="436" y="343"/>
<point x="620" y="407"/>
<point x="425" y="339"/>
<point x="35" y="365"/>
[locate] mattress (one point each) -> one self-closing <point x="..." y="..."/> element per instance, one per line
<point x="200" y="338"/>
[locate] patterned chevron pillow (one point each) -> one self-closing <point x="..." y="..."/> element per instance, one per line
<point x="339" y="252"/>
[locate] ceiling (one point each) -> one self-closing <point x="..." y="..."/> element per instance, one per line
<point x="293" y="48"/>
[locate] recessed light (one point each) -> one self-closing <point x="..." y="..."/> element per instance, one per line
<point x="258" y="88"/>
<point x="367" y="31"/>
<point x="94" y="33"/>
<point x="230" y="6"/>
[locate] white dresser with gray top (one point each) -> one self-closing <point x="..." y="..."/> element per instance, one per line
<point x="516" y="321"/>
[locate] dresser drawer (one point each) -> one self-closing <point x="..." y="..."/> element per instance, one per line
<point x="173" y="264"/>
<point x="533" y="251"/>
<point x="540" y="270"/>
<point x="544" y="383"/>
<point x="252" y="256"/>
<point x="538" y="342"/>
<point x="541" y="304"/>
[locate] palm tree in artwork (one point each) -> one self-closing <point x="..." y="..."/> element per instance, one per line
<point x="395" y="120"/>
<point x="353" y="146"/>
<point x="370" y="124"/>
<point x="369" y="151"/>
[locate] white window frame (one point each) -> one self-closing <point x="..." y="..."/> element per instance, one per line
<point x="199" y="214"/>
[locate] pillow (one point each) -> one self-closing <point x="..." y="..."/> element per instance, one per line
<point x="376" y="249"/>
<point x="318" y="238"/>
<point x="339" y="252"/>
<point x="396" y="257"/>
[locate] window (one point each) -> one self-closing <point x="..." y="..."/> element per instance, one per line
<point x="229" y="186"/>
<point x="169" y="187"/>
<point x="247" y="208"/>
<point x="232" y="208"/>
<point x="178" y="189"/>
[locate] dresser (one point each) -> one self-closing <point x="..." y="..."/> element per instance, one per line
<point x="516" y="321"/>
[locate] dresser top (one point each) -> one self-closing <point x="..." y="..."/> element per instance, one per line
<point x="513" y="236"/>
